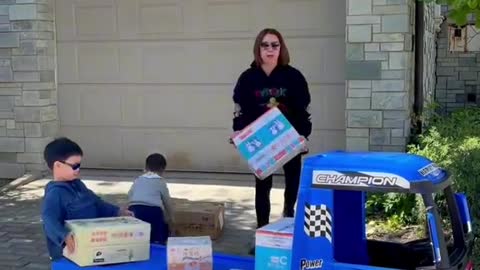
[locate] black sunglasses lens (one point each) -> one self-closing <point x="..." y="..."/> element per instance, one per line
<point x="76" y="166"/>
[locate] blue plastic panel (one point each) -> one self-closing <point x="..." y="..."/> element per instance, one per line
<point x="373" y="169"/>
<point x="158" y="261"/>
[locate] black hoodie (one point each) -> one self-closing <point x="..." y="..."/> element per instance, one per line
<point x="286" y="87"/>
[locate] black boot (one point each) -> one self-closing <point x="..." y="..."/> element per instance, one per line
<point x="288" y="213"/>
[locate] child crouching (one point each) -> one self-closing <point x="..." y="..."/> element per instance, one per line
<point x="149" y="199"/>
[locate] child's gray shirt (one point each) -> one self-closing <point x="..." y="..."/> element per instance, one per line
<point x="151" y="189"/>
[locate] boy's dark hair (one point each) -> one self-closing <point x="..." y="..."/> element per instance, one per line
<point x="60" y="149"/>
<point x="155" y="163"/>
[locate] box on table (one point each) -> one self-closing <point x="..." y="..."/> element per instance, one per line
<point x="109" y="240"/>
<point x="189" y="253"/>
<point x="193" y="218"/>
<point x="273" y="245"/>
<point x="268" y="143"/>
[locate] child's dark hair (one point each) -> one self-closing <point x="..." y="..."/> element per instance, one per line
<point x="156" y="163"/>
<point x="60" y="149"/>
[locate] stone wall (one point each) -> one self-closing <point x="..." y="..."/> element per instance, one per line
<point x="379" y="73"/>
<point x="458" y="84"/>
<point x="28" y="113"/>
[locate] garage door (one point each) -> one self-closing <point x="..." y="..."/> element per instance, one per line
<point x="138" y="76"/>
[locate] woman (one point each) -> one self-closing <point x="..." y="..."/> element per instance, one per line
<point x="271" y="81"/>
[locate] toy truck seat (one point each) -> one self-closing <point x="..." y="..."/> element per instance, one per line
<point x="330" y="221"/>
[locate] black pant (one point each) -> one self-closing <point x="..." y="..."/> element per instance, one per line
<point x="292" y="171"/>
<point x="159" y="230"/>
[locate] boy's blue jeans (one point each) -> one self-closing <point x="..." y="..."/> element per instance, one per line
<point x="153" y="215"/>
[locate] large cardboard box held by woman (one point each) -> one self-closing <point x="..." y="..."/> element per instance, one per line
<point x="109" y="240"/>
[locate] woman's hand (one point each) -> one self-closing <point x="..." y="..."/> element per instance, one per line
<point x="230" y="140"/>
<point x="70" y="243"/>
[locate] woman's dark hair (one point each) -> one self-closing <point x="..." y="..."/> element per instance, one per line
<point x="284" y="56"/>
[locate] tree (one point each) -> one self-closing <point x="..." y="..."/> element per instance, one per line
<point x="460" y="9"/>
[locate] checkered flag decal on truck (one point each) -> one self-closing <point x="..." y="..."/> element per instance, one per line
<point x="318" y="221"/>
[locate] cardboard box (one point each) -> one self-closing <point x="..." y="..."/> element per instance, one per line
<point x="273" y="245"/>
<point x="109" y="240"/>
<point x="268" y="143"/>
<point x="189" y="253"/>
<point x="198" y="218"/>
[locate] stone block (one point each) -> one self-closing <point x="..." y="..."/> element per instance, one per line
<point x="363" y="70"/>
<point x="46" y="62"/>
<point x="364" y="119"/>
<point x="397" y="132"/>
<point x="26" y="76"/>
<point x="25" y="63"/>
<point x="468" y="75"/>
<point x="32" y="98"/>
<point x="376" y="56"/>
<point x="380" y="136"/>
<point x="359" y="33"/>
<point x="38" y="86"/>
<point x="393" y="123"/>
<point x="362" y="84"/>
<point x="357" y="132"/>
<point x="397" y="60"/>
<point x="389" y="101"/>
<point x="372" y="47"/>
<point x="3" y="10"/>
<point x="354" y="51"/>
<point x="36" y="167"/>
<point x="376" y="28"/>
<point x="27" y="47"/>
<point x="12" y="145"/>
<point x="467" y="62"/>
<point x="359" y="93"/>
<point x="388" y="86"/>
<point x="4" y="19"/>
<point x="23" y="12"/>
<point x="454" y="84"/>
<point x="33" y="130"/>
<point x="358" y="103"/>
<point x="6" y="74"/>
<point x="11" y="170"/>
<point x="363" y="20"/>
<point x="393" y="74"/>
<point x="9" y="40"/>
<point x="10" y="124"/>
<point x="28" y="114"/>
<point x="15" y="133"/>
<point x="50" y="129"/>
<point x="357" y="144"/>
<point x="399" y="141"/>
<point x="441" y="82"/>
<point x="392" y="46"/>
<point x="36" y="145"/>
<point x="48" y="113"/>
<point x="7" y="103"/>
<point x="390" y="9"/>
<point x="402" y="115"/>
<point x="396" y="37"/>
<point x="8" y="158"/>
<point x="395" y="23"/>
<point x="359" y="7"/>
<point x="47" y="76"/>
<point x="35" y="158"/>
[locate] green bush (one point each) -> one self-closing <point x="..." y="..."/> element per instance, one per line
<point x="453" y="143"/>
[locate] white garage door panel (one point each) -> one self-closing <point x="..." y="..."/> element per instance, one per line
<point x="190" y="61"/>
<point x="193" y="19"/>
<point x="174" y="106"/>
<point x="138" y="76"/>
<point x="127" y="148"/>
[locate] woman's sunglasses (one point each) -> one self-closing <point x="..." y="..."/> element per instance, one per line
<point x="73" y="166"/>
<point x="266" y="45"/>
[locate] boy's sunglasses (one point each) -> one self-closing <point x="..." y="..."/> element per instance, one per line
<point x="73" y="166"/>
<point x="267" y="45"/>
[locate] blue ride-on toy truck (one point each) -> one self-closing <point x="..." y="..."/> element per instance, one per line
<point x="330" y="221"/>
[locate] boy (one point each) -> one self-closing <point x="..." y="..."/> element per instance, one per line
<point x="149" y="199"/>
<point x="67" y="197"/>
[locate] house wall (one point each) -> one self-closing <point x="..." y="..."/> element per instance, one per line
<point x="379" y="73"/>
<point x="28" y="112"/>
<point x="458" y="84"/>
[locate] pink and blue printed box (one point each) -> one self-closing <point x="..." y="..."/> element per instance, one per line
<point x="268" y="143"/>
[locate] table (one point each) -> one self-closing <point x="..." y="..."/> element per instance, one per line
<point x="158" y="261"/>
